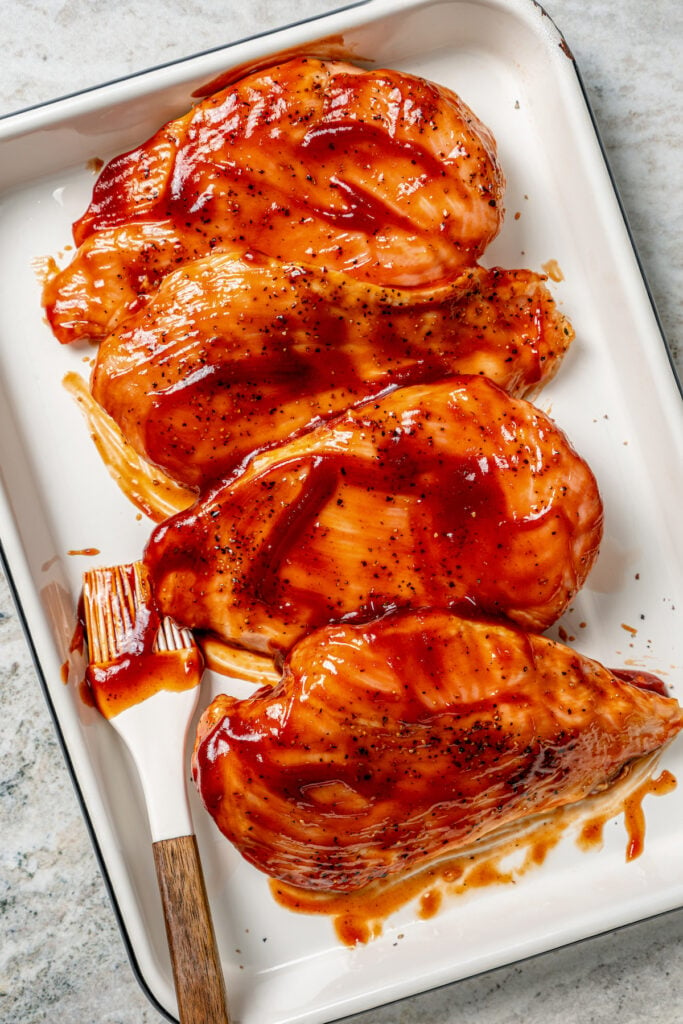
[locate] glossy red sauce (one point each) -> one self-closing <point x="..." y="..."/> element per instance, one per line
<point x="132" y="678"/>
<point x="380" y="174"/>
<point x="634" y="816"/>
<point x="360" y="917"/>
<point x="136" y="670"/>
<point x="385" y="746"/>
<point x="217" y="142"/>
<point x="454" y="496"/>
<point x="593" y="833"/>
<point x="315" y="343"/>
<point x="77" y="643"/>
<point x="471" y="510"/>
<point x="86" y="694"/>
<point x="643" y="680"/>
<point x="358" y="208"/>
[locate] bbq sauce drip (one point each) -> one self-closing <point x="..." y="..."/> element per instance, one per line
<point x="139" y="670"/>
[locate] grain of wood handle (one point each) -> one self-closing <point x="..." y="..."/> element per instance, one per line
<point x="197" y="972"/>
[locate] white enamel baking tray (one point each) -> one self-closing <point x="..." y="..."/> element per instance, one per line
<point x="616" y="396"/>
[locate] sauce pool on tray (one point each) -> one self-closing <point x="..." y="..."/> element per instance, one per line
<point x="389" y="743"/>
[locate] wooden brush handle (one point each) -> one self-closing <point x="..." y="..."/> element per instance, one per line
<point x="196" y="968"/>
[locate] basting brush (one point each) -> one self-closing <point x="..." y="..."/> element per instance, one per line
<point x="144" y="674"/>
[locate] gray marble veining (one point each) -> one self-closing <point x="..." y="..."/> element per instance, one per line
<point x="61" y="955"/>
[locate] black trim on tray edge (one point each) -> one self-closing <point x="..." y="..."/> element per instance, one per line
<point x="182" y="60"/>
<point x="72" y="774"/>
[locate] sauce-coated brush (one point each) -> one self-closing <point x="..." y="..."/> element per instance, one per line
<point x="144" y="674"/>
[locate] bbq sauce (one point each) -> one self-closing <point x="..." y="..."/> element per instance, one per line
<point x="387" y="745"/>
<point x="451" y="495"/>
<point x="313" y="344"/>
<point x="278" y="569"/>
<point x="592" y="832"/>
<point x="360" y="917"/>
<point x="291" y="160"/>
<point x="634" y="815"/>
<point x="130" y="679"/>
<point x="643" y="680"/>
<point x="134" y="669"/>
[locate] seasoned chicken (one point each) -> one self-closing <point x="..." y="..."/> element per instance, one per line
<point x="234" y="353"/>
<point x="380" y="174"/>
<point x="451" y="494"/>
<point x="112" y="271"/>
<point x="390" y="743"/>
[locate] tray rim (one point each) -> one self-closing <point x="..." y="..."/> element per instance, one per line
<point x="48" y="104"/>
<point x="14" y="564"/>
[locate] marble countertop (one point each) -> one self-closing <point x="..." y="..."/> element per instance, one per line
<point x="61" y="955"/>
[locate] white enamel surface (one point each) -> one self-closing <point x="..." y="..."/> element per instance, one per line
<point x="615" y="396"/>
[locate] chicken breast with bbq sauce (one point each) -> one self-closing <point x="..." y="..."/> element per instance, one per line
<point x="389" y="744"/>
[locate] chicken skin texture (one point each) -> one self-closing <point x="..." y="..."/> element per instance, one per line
<point x="235" y="353"/>
<point x="388" y="744"/>
<point x="379" y="174"/>
<point x="444" y="495"/>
